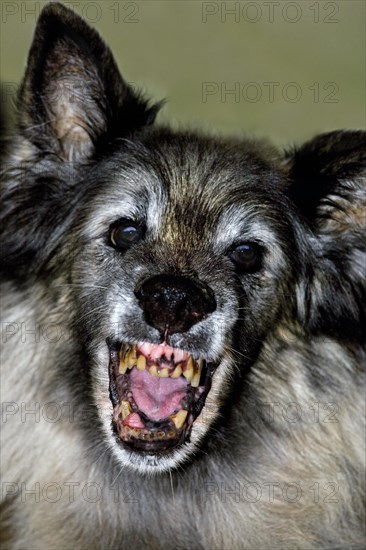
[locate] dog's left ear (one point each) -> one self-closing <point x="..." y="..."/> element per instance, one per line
<point x="73" y="97"/>
<point x="328" y="185"/>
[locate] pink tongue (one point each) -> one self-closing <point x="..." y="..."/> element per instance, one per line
<point x="158" y="398"/>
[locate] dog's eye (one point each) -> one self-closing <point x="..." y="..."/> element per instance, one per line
<point x="246" y="256"/>
<point x="125" y="233"/>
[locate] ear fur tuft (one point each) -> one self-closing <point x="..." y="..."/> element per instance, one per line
<point x="328" y="185"/>
<point x="73" y="97"/>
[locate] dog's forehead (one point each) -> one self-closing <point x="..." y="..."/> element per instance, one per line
<point x="178" y="187"/>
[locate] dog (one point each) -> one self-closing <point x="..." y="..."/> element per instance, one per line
<point x="183" y="322"/>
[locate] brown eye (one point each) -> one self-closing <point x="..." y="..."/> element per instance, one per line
<point x="247" y="257"/>
<point x="125" y="233"/>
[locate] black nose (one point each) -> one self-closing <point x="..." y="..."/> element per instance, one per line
<point x="174" y="303"/>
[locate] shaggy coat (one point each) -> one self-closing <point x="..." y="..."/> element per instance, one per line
<point x="273" y="246"/>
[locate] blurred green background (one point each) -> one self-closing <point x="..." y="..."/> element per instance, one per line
<point x="277" y="69"/>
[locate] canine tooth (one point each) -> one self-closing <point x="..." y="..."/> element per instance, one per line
<point x="179" y="418"/>
<point x="125" y="409"/>
<point x="141" y="362"/>
<point x="122" y="366"/>
<point x="197" y="373"/>
<point x="188" y="375"/>
<point x="163" y="373"/>
<point x="188" y="372"/>
<point x="123" y="352"/>
<point x="196" y="379"/>
<point x="131" y="358"/>
<point x="177" y="372"/>
<point x="154" y="371"/>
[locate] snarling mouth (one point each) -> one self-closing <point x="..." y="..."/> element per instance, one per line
<point x="157" y="392"/>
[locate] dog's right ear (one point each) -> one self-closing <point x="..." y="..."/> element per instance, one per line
<point x="73" y="98"/>
<point x="72" y="104"/>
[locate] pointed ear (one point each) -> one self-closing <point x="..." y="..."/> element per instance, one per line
<point x="72" y="97"/>
<point x="328" y="184"/>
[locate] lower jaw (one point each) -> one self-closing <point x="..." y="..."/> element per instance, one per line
<point x="138" y="443"/>
<point x="155" y="437"/>
<point x="153" y="463"/>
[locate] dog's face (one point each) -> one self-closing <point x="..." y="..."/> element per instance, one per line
<point x="177" y="254"/>
<point x="184" y="258"/>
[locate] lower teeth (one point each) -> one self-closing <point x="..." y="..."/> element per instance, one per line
<point x="126" y="409"/>
<point x="179" y="418"/>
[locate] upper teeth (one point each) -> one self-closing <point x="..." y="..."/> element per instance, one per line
<point x="197" y="374"/>
<point x="131" y="357"/>
<point x="154" y="371"/>
<point x="122" y="366"/>
<point x="177" y="371"/>
<point x="163" y="373"/>
<point x="141" y="362"/>
<point x="191" y="371"/>
<point x="188" y="371"/>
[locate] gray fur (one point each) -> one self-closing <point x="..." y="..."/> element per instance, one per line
<point x="285" y="414"/>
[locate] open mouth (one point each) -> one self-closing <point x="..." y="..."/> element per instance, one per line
<point x="157" y="392"/>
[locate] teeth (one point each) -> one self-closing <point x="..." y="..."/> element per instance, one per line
<point x="192" y="371"/>
<point x="125" y="409"/>
<point x="132" y="431"/>
<point x="196" y="378"/>
<point x="197" y="374"/>
<point x="188" y="373"/>
<point x="179" y="418"/>
<point x="124" y="352"/>
<point x="141" y="362"/>
<point x="177" y="372"/>
<point x="163" y="373"/>
<point x="154" y="371"/>
<point x="122" y="366"/>
<point x="131" y="358"/>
